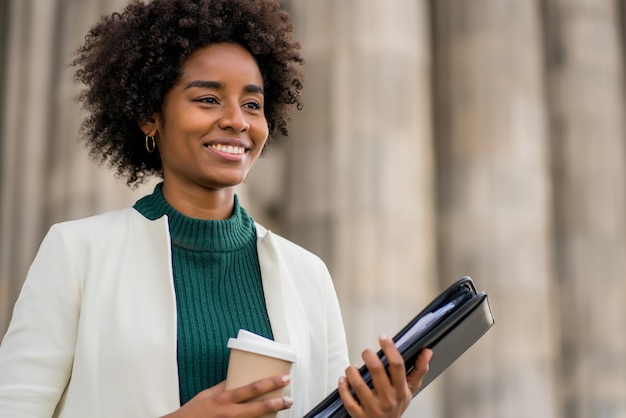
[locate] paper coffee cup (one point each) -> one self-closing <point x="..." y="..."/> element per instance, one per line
<point x="253" y="357"/>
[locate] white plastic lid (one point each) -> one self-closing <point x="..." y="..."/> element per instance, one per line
<point x="254" y="343"/>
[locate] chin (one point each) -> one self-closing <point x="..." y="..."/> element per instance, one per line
<point x="224" y="183"/>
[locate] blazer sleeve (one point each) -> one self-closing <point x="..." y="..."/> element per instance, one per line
<point x="37" y="352"/>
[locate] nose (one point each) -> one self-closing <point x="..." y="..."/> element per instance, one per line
<point x="233" y="118"/>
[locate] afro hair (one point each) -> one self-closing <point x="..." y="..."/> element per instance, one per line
<point x="130" y="60"/>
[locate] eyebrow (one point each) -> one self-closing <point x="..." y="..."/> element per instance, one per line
<point x="249" y="88"/>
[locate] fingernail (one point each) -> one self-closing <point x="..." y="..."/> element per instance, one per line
<point x="286" y="378"/>
<point x="383" y="337"/>
<point x="342" y="379"/>
<point x="288" y="401"/>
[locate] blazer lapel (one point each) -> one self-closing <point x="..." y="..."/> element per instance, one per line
<point x="272" y="273"/>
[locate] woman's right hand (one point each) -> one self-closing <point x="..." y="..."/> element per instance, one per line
<point x="218" y="402"/>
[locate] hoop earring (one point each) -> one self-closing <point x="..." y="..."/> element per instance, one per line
<point x="150" y="144"/>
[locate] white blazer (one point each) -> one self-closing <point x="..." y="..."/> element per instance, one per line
<point x="93" y="332"/>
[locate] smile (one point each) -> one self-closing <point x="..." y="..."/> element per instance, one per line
<point x="228" y="149"/>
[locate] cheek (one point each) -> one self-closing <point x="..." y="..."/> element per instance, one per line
<point x="181" y="129"/>
<point x="261" y="133"/>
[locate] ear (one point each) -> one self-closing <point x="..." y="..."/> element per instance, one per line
<point x="149" y="127"/>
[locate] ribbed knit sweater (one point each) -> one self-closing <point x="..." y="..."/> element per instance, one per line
<point x="218" y="287"/>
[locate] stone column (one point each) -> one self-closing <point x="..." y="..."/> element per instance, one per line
<point x="589" y="154"/>
<point x="360" y="161"/>
<point x="46" y="175"/>
<point x="494" y="201"/>
<point x="25" y="134"/>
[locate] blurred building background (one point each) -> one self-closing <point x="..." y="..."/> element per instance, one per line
<point x="439" y="139"/>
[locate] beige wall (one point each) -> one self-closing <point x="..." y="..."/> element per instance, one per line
<point x="439" y="138"/>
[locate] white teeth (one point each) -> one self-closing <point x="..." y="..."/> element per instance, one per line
<point x="229" y="149"/>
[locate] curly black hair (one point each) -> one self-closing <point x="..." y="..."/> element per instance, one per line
<point x="130" y="60"/>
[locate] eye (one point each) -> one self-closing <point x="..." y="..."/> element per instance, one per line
<point x="252" y="106"/>
<point x="207" y="100"/>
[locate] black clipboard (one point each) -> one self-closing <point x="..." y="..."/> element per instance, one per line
<point x="449" y="325"/>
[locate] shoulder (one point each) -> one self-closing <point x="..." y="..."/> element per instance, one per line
<point x="101" y="220"/>
<point x="288" y="249"/>
<point x="299" y="269"/>
<point x="120" y="218"/>
<point x="100" y="228"/>
<point x="86" y="247"/>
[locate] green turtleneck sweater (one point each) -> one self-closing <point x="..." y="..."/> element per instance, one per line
<point x="218" y="286"/>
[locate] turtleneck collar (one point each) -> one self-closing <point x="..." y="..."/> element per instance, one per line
<point x="199" y="234"/>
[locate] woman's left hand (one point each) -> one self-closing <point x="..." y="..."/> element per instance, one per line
<point x="392" y="393"/>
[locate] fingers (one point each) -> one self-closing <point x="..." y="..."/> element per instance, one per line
<point x="265" y="406"/>
<point x="250" y="409"/>
<point x="397" y="369"/>
<point x="414" y="379"/>
<point x="213" y="391"/>
<point x="257" y="388"/>
<point x="355" y="381"/>
<point x="253" y="400"/>
<point x="393" y="388"/>
<point x="247" y="403"/>
<point x="391" y="393"/>
<point x="350" y="404"/>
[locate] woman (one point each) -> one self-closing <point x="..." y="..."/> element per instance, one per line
<point x="128" y="313"/>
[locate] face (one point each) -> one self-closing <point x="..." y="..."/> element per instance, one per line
<point x="212" y="128"/>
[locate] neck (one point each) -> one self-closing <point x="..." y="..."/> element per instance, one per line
<point x="199" y="202"/>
